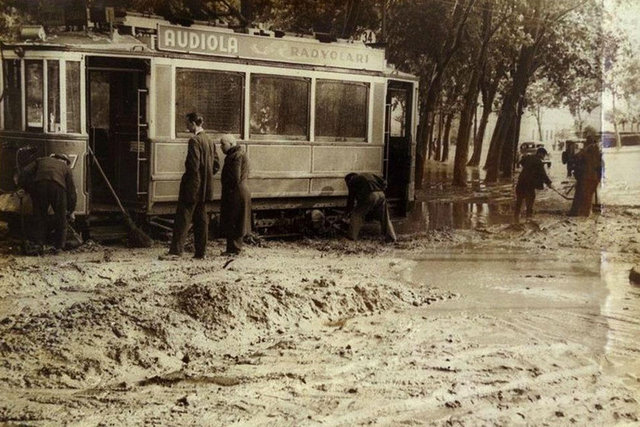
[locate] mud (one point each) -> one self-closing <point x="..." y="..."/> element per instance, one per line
<point x="504" y="324"/>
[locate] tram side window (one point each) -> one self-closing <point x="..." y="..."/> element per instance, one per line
<point x="216" y="95"/>
<point x="13" y="98"/>
<point x="341" y="110"/>
<point x="279" y="107"/>
<point x="35" y="94"/>
<point x="73" y="96"/>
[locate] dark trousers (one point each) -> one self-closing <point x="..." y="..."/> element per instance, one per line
<point x="234" y="244"/>
<point x="49" y="193"/>
<point x="185" y="214"/>
<point x="375" y="207"/>
<point x="526" y="195"/>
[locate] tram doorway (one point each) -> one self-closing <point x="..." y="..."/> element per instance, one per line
<point x="397" y="153"/>
<point x="117" y="127"/>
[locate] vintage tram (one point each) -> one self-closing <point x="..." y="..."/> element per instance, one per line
<point x="307" y="112"/>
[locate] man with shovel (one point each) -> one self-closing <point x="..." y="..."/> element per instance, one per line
<point x="532" y="178"/>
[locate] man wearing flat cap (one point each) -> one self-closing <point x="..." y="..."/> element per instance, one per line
<point x="50" y="183"/>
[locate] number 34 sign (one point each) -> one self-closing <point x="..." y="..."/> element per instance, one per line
<point x="367" y="36"/>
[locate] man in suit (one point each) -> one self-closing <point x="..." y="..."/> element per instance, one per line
<point x="532" y="178"/>
<point x="366" y="193"/>
<point x="49" y="181"/>
<point x="196" y="188"/>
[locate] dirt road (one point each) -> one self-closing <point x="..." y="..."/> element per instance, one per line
<point x="495" y="326"/>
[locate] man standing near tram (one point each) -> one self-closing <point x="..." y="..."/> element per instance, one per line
<point x="196" y="188"/>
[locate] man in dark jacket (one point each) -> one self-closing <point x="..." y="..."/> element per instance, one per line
<point x="50" y="183"/>
<point x="196" y="188"/>
<point x="588" y="172"/>
<point x="235" y="204"/>
<point x="366" y="192"/>
<point x="532" y="178"/>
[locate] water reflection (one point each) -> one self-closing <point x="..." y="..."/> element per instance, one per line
<point x="454" y="215"/>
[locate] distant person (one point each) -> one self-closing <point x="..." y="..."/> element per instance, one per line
<point x="532" y="178"/>
<point x="196" y="188"/>
<point x="366" y="199"/>
<point x="568" y="157"/>
<point x="588" y="167"/>
<point x="49" y="181"/>
<point x="235" y="205"/>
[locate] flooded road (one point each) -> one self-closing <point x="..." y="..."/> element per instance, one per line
<point x="574" y="324"/>
<point x="480" y="205"/>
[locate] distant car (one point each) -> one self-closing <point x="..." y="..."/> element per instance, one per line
<point x="531" y="147"/>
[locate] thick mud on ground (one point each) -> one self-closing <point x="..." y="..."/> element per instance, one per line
<point x="527" y="324"/>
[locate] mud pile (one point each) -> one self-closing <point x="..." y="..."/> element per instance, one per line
<point x="111" y="316"/>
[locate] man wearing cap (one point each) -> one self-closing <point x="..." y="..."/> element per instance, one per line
<point x="235" y="203"/>
<point x="367" y="200"/>
<point x="50" y="184"/>
<point x="532" y="178"/>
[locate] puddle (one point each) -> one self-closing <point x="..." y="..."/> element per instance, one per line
<point x="427" y="216"/>
<point x="590" y="301"/>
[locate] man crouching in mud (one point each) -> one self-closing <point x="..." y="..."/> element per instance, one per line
<point x="532" y="178"/>
<point x="49" y="181"/>
<point x="366" y="191"/>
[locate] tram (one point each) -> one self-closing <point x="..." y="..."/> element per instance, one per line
<point x="307" y="112"/>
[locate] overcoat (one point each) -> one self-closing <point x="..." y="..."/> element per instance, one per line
<point x="533" y="175"/>
<point x="235" y="209"/>
<point x="201" y="164"/>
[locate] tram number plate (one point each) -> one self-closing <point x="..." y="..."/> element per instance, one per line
<point x="136" y="146"/>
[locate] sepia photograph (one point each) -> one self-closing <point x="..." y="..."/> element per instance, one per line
<point x="320" y="212"/>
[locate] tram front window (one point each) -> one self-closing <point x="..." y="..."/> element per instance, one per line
<point x="279" y="107"/>
<point x="216" y="95"/>
<point x="53" y="96"/>
<point x="35" y="94"/>
<point x="13" y="97"/>
<point x="341" y="110"/>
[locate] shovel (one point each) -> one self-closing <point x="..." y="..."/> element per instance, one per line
<point x="561" y="195"/>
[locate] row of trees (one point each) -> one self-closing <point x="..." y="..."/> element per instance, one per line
<point x="512" y="55"/>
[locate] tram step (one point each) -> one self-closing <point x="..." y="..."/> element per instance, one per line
<point x="104" y="233"/>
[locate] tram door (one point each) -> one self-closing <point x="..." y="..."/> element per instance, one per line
<point x="117" y="130"/>
<point x="397" y="155"/>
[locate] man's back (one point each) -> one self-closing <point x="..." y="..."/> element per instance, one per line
<point x="47" y="169"/>
<point x="533" y="174"/>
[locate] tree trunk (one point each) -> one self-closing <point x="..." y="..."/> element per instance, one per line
<point x="439" y="138"/>
<point x="445" y="142"/>
<point x="508" y="160"/>
<point x="539" y="122"/>
<point x="479" y="137"/>
<point x="488" y="96"/>
<point x="432" y="121"/>
<point x="508" y="111"/>
<point x="464" y="129"/>
<point x="420" y="144"/>
<point x="615" y="120"/>
<point x="460" y="15"/>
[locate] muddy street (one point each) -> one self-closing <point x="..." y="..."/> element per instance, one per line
<point x="497" y="325"/>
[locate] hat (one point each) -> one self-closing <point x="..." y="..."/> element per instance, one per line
<point x="61" y="156"/>
<point x="228" y="139"/>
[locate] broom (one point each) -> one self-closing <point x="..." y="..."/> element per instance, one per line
<point x="137" y="238"/>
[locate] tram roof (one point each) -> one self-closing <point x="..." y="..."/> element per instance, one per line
<point x="201" y="41"/>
